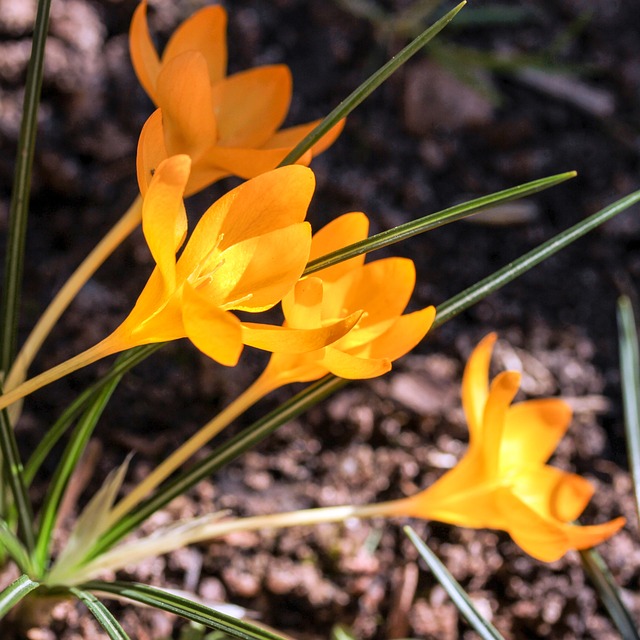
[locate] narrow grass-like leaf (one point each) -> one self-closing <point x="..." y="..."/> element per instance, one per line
<point x="182" y="607"/>
<point x="595" y="567"/>
<point x="369" y="86"/>
<point x="15" y="592"/>
<point x="459" y="596"/>
<point x="630" y="374"/>
<point x="435" y="220"/>
<point x="18" y="211"/>
<point x="15" y="548"/>
<point x="124" y="363"/>
<point x="222" y="456"/>
<point x="101" y="614"/>
<point x="498" y="279"/>
<point x="14" y="473"/>
<point x="68" y="461"/>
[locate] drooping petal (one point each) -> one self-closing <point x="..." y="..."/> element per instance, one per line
<point x="144" y="57"/>
<point x="350" y="367"/>
<point x="151" y="150"/>
<point x="244" y="162"/>
<point x="291" y="136"/>
<point x="287" y="340"/>
<point x="249" y="106"/>
<point x="406" y="332"/>
<point x="215" y="332"/>
<point x="532" y="430"/>
<point x="184" y="95"/>
<point x="271" y="201"/>
<point x="164" y="219"/>
<point x="340" y="232"/>
<point x="475" y="386"/>
<point x="502" y="391"/>
<point x="206" y="32"/>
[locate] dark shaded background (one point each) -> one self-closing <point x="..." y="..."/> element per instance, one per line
<point x="439" y="132"/>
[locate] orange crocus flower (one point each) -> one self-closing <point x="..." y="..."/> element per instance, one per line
<point x="228" y="125"/>
<point x="503" y="482"/>
<point x="233" y="260"/>
<point x="378" y="290"/>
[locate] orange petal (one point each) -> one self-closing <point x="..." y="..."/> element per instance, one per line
<point x="244" y="122"/>
<point x="205" y="32"/>
<point x="532" y="431"/>
<point x="343" y="231"/>
<point x="143" y="53"/>
<point x="287" y="340"/>
<point x="503" y="389"/>
<point x="184" y="95"/>
<point x="164" y="219"/>
<point x="475" y="386"/>
<point x="302" y="306"/>
<point x="291" y="136"/>
<point x="271" y="201"/>
<point x="215" y="332"/>
<point x="404" y="335"/>
<point x="245" y="163"/>
<point x="351" y="367"/>
<point x="151" y="150"/>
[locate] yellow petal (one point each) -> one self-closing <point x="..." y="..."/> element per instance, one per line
<point x="302" y="306"/>
<point x="215" y="332"/>
<point x="144" y="57"/>
<point x="503" y="389"/>
<point x="184" y="95"/>
<point x="404" y="335"/>
<point x="351" y="367"/>
<point x="291" y="136"/>
<point x="532" y="430"/>
<point x="343" y="231"/>
<point x="475" y="386"/>
<point x="245" y="162"/>
<point x="244" y="122"/>
<point x="205" y="32"/>
<point x="271" y="201"/>
<point x="151" y="150"/>
<point x="164" y="220"/>
<point x="287" y="340"/>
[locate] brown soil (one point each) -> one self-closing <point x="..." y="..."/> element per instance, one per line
<point x="424" y="141"/>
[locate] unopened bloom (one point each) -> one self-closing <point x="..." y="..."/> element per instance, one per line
<point x="503" y="482"/>
<point x="228" y="125"/>
<point x="379" y="291"/>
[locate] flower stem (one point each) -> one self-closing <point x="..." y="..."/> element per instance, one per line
<point x="129" y="221"/>
<point x="260" y="388"/>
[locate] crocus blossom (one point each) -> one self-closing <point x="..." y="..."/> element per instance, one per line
<point x="503" y="482"/>
<point x="247" y="251"/>
<point x="378" y="291"/>
<point x="228" y="125"/>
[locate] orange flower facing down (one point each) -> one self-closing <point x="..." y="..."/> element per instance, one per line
<point x="377" y="293"/>
<point x="228" y="125"/>
<point x="503" y="482"/>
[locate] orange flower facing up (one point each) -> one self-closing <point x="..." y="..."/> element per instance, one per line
<point x="228" y="125"/>
<point x="247" y="251"/>
<point x="503" y="482"/>
<point x="377" y="292"/>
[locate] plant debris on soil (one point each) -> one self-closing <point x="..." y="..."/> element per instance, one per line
<point x="555" y="87"/>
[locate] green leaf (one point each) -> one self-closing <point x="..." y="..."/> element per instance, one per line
<point x="65" y="468"/>
<point x="15" y="548"/>
<point x="101" y="614"/>
<point x="608" y="592"/>
<point x="18" y="211"/>
<point x="219" y="458"/>
<point x="15" y="592"/>
<point x="369" y="86"/>
<point x="182" y="607"/>
<point x="435" y="220"/>
<point x="14" y="473"/>
<point x="630" y="374"/>
<point x="498" y="279"/>
<point x="459" y="596"/>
